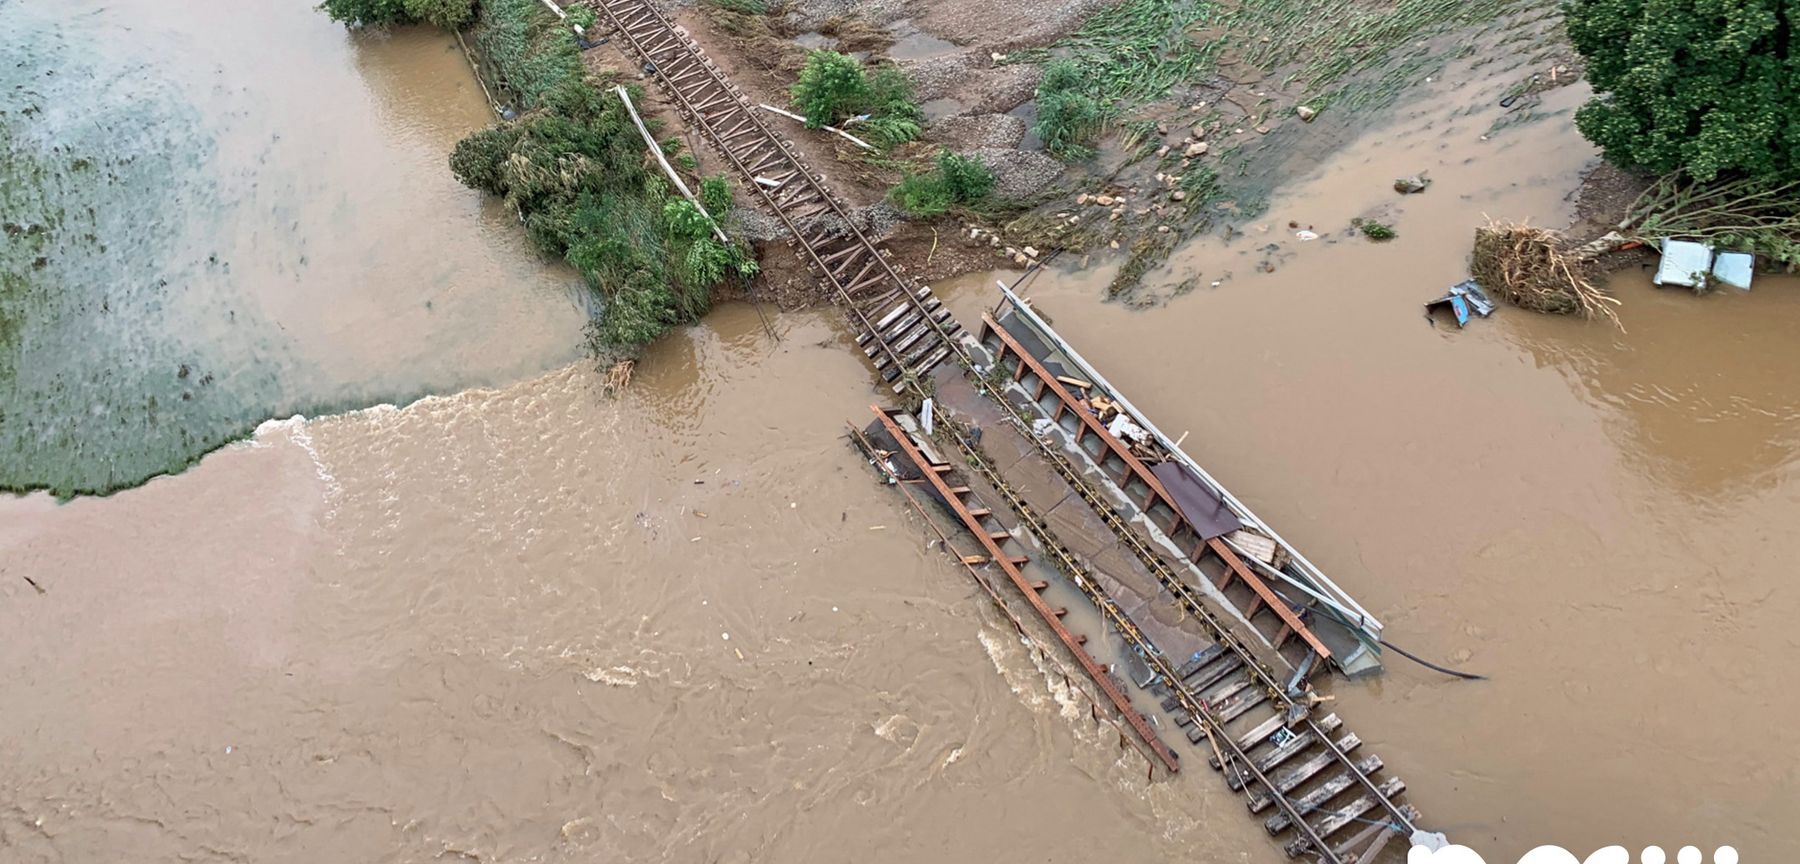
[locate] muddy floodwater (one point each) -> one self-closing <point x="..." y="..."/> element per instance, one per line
<point x="221" y="212"/>
<point x="529" y="623"/>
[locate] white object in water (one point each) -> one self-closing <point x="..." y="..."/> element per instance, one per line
<point x="1734" y="269"/>
<point x="1684" y="263"/>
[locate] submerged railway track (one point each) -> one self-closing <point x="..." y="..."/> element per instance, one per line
<point x="1258" y="730"/>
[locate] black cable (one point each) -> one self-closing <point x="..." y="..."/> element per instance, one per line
<point x="1466" y="676"/>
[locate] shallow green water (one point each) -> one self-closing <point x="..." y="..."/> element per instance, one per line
<point x="214" y="215"/>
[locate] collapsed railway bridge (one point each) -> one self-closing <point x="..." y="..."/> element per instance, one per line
<point x="1259" y="621"/>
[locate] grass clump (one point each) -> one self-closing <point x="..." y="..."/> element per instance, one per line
<point x="956" y="181"/>
<point x="743" y="7"/>
<point x="835" y="90"/>
<point x="573" y="167"/>
<point x="1070" y="116"/>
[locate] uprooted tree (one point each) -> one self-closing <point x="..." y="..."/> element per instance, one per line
<point x="1700" y="94"/>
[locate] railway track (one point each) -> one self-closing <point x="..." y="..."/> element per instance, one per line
<point x="901" y="325"/>
<point x="1306" y="773"/>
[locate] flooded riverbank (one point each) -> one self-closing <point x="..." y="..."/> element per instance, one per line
<point x="528" y="623"/>
<point x="220" y="213"/>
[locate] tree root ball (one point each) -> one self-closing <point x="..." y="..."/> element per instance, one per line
<point x="1539" y="269"/>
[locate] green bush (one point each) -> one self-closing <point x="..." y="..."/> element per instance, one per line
<point x="1069" y="115"/>
<point x="1697" y="85"/>
<point x="957" y="181"/>
<point x="479" y="160"/>
<point x="715" y="193"/>
<point x="832" y="86"/>
<point x="894" y="116"/>
<point x="967" y="180"/>
<point x="363" y="13"/>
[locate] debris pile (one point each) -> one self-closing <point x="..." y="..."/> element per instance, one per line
<point x="1539" y="269"/>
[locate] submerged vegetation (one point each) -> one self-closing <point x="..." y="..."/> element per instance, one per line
<point x="1374" y="230"/>
<point x="1141" y="52"/>
<point x="835" y="88"/>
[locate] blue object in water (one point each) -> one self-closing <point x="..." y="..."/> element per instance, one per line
<point x="1464" y="298"/>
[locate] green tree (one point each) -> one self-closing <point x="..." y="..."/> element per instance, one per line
<point x="1706" y="86"/>
<point x="362" y="13"/>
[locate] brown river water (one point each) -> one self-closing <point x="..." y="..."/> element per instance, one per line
<point x="534" y="624"/>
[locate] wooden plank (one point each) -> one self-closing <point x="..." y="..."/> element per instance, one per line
<point x="1293" y="747"/>
<point x="1201" y="658"/>
<point x="1253" y="544"/>
<point x="1290" y="779"/>
<point x="1207" y="678"/>
<point x="1319" y="797"/>
<point x="1243" y="705"/>
<point x="1345" y="815"/>
<point x="1225" y="692"/>
<point x="1255" y="736"/>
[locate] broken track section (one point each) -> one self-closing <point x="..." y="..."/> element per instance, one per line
<point x="901" y="325"/>
<point x="1304" y="775"/>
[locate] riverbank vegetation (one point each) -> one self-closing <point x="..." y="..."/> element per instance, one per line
<point x="1701" y="97"/>
<point x="574" y="167"/>
<point x="366" y="13"/>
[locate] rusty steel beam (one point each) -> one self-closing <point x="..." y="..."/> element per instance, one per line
<point x="1028" y="588"/>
